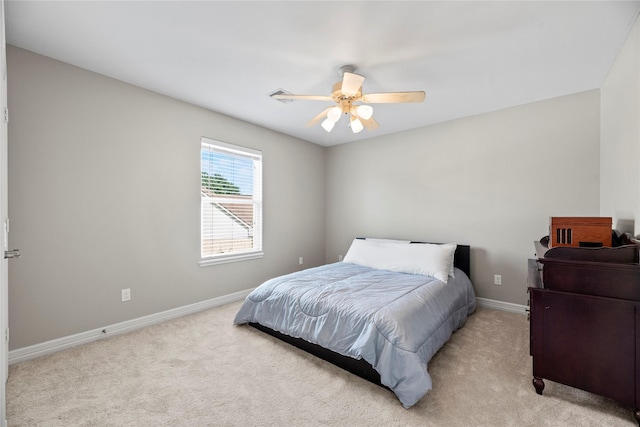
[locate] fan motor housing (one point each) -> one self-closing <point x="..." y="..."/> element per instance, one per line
<point x="343" y="101"/>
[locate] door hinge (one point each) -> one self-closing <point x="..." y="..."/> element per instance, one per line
<point x="6" y="115"/>
<point x="6" y="335"/>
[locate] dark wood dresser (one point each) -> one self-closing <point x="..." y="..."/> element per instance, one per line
<point x="585" y="320"/>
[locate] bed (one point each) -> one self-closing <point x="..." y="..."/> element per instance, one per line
<point x="381" y="313"/>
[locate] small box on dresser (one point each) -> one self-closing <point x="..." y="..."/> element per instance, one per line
<point x="579" y="231"/>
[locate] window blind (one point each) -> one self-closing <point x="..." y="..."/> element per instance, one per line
<point x="231" y="202"/>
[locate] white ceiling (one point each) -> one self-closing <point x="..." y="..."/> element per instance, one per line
<point x="470" y="57"/>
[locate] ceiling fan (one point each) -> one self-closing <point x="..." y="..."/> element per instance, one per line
<point x="350" y="100"/>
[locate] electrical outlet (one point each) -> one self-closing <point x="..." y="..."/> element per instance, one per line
<point x="340" y="257"/>
<point x="497" y="279"/>
<point x="300" y="261"/>
<point x="126" y="294"/>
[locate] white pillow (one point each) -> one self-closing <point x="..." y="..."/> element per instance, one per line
<point x="420" y="258"/>
<point x="451" y="270"/>
<point x="387" y="240"/>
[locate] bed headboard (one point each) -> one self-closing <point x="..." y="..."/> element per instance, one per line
<point x="461" y="258"/>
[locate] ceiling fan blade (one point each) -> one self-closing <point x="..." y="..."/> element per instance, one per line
<point x="351" y="84"/>
<point x="303" y="97"/>
<point x="393" y="97"/>
<point x="317" y="118"/>
<point x="369" y="124"/>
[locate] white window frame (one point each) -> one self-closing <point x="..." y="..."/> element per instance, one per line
<point x="255" y="251"/>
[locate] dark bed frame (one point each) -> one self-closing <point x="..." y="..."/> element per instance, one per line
<point x="359" y="367"/>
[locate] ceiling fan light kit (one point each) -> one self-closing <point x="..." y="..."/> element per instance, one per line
<point x="328" y="124"/>
<point x="356" y="124"/>
<point x="334" y="114"/>
<point x="364" y="111"/>
<point x="345" y="94"/>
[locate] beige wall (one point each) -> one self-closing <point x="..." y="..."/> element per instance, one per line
<point x="620" y="138"/>
<point x="104" y="195"/>
<point x="491" y="181"/>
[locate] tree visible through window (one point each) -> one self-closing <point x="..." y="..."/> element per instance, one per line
<point x="231" y="202"/>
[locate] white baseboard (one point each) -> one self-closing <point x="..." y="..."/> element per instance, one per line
<point x="503" y="306"/>
<point x="48" y="347"/>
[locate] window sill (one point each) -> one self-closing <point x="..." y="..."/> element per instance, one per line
<point x="223" y="259"/>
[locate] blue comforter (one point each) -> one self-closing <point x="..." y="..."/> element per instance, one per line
<point x="394" y="321"/>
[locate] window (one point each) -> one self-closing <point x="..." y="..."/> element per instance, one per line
<point x="230" y="203"/>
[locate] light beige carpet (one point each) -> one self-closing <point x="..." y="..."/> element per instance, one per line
<point x="202" y="371"/>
